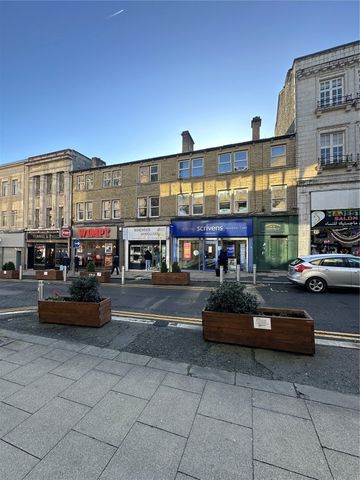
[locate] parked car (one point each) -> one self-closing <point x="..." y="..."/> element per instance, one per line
<point x="317" y="272"/>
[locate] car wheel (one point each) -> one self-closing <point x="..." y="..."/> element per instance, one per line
<point x="316" y="285"/>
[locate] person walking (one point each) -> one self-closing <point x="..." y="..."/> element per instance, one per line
<point x="115" y="265"/>
<point x="223" y="259"/>
<point x="148" y="259"/>
<point x="76" y="263"/>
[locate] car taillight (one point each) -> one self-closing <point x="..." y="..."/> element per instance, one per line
<point x="300" y="268"/>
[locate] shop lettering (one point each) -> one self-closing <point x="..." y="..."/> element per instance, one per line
<point x="94" y="232"/>
<point x="210" y="228"/>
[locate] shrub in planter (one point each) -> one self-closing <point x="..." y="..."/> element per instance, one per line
<point x="8" y="271"/>
<point x="90" y="267"/>
<point x="8" y="266"/>
<point x="163" y="267"/>
<point x="175" y="268"/>
<point x="232" y="297"/>
<point x="175" y="277"/>
<point x="85" y="289"/>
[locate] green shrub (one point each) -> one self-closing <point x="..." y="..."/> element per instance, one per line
<point x="231" y="297"/>
<point x="85" y="289"/>
<point x="175" y="268"/>
<point x="163" y="267"/>
<point x="8" y="266"/>
<point x="91" y="267"/>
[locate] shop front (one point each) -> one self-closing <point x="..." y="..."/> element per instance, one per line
<point x="197" y="243"/>
<point x="45" y="249"/>
<point x="95" y="244"/>
<point x="138" y="240"/>
<point x="12" y="247"/>
<point x="335" y="231"/>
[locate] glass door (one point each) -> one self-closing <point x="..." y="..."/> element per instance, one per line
<point x="190" y="254"/>
<point x="210" y="257"/>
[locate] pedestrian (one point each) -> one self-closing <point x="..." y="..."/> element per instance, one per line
<point x="66" y="261"/>
<point x="148" y="259"/>
<point x="76" y="263"/>
<point x="156" y="256"/>
<point x="115" y="265"/>
<point x="223" y="259"/>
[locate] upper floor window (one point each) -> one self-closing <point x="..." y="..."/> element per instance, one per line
<point x="48" y="219"/>
<point x="89" y="181"/>
<point x="80" y="182"/>
<point x="190" y="204"/>
<point x="80" y="211"/>
<point x="224" y="165"/>
<point x="116" y="213"/>
<point x="332" y="148"/>
<point x="241" y="200"/>
<point x="184" y="204"/>
<point x="241" y="160"/>
<point x="106" y="209"/>
<point x="107" y="179"/>
<point x="61" y="221"/>
<point x="278" y="198"/>
<point x="148" y="207"/>
<point x="4" y="218"/>
<point x="154" y="206"/>
<point x="149" y="174"/>
<point x="233" y="162"/>
<point x="191" y="168"/>
<point x="36" y="185"/>
<point x="278" y="155"/>
<point x="116" y="178"/>
<point x="15" y="187"/>
<point x="224" y="201"/>
<point x="197" y="201"/>
<point x="331" y="92"/>
<point x="61" y="182"/>
<point x="37" y="218"/>
<point x="48" y="184"/>
<point x="5" y="189"/>
<point x="88" y="210"/>
<point x="13" y="218"/>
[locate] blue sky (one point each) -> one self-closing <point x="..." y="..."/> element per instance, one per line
<point x="124" y="87"/>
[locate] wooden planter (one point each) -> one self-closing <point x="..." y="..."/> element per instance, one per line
<point x="49" y="275"/>
<point x="12" y="274"/>
<point x="101" y="277"/>
<point x="274" y="328"/>
<point x="75" y="313"/>
<point x="170" y="278"/>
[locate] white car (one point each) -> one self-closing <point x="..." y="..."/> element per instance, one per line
<point x="317" y="272"/>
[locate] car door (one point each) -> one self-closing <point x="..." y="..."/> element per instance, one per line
<point x="336" y="272"/>
<point x="354" y="267"/>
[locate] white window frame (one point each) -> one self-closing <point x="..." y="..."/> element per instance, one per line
<point x="235" y="161"/>
<point x="182" y="169"/>
<point x="13" y="218"/>
<point x="193" y="168"/>
<point x="88" y="211"/>
<point x="80" y="182"/>
<point x="116" y="178"/>
<point x="107" y="179"/>
<point x="89" y="181"/>
<point x="194" y="203"/>
<point x="145" y="207"/>
<point x="223" y="211"/>
<point x="114" y="215"/>
<point x="329" y="158"/>
<point x="4" y="218"/>
<point x="80" y="211"/>
<point x="275" y="188"/>
<point x="332" y="93"/>
<point x="104" y="204"/>
<point x="148" y="172"/>
<point x="236" y="201"/>
<point x="278" y="159"/>
<point x="5" y="188"/>
<point x="15" y="187"/>
<point x="228" y="162"/>
<point x="152" y="208"/>
<point x="183" y="201"/>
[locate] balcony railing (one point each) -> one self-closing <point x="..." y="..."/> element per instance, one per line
<point x="337" y="160"/>
<point x="335" y="101"/>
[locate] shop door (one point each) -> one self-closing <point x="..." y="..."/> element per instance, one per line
<point x="210" y="257"/>
<point x="30" y="257"/>
<point x="278" y="252"/>
<point x="50" y="255"/>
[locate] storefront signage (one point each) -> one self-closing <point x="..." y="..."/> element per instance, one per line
<point x="95" y="232"/>
<point x="145" y="233"/>
<point x="335" y="218"/>
<point x="212" y="228"/>
<point x="65" y="232"/>
<point x="273" y="227"/>
<point x="264" y="323"/>
<point x="187" y="250"/>
<point x="43" y="236"/>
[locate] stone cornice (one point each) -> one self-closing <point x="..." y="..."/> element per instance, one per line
<point x="328" y="67"/>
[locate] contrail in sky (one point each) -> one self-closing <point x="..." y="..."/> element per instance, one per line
<point x="116" y="13"/>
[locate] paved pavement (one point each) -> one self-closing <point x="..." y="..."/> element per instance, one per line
<point x="74" y="411"/>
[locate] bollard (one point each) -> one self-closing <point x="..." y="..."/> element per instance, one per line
<point x="254" y="274"/>
<point x="221" y="274"/>
<point x="64" y="273"/>
<point x="123" y="275"/>
<point x="238" y="273"/>
<point x="41" y="290"/>
<point x="20" y="272"/>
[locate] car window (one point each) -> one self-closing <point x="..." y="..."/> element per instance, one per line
<point x="316" y="262"/>
<point x="334" y="262"/>
<point x="297" y="261"/>
<point x="354" y="262"/>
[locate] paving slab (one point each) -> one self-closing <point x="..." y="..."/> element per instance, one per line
<point x="228" y="403"/>
<point x="100" y="352"/>
<point x="169" y="366"/>
<point x="146" y="453"/>
<point x="10" y="417"/>
<point x="280" y="403"/>
<point x="171" y="410"/>
<point x="133" y="358"/>
<point x="181" y="476"/>
<point x="8" y="388"/>
<point x="6" y="367"/>
<point x="262" y="471"/>
<point x="14" y="464"/>
<point x="214" y="374"/>
<point x="28" y="355"/>
<point x="77" y="366"/>
<point x="34" y="396"/>
<point x="60" y="355"/>
<point x="189" y="384"/>
<point x="111" y="419"/>
<point x="42" y="431"/>
<point x="67" y="345"/>
<point x="290" y="443"/>
<point x="218" y="450"/>
<point x="32" y="371"/>
<point x="338" y="428"/>
<point x="91" y="388"/>
<point x="140" y="382"/>
<point x="327" y="396"/>
<point x="75" y="457"/>
<point x="5" y="352"/>
<point x="343" y="466"/>
<point x="259" y="383"/>
<point x="37" y="339"/>
<point x="18" y="345"/>
<point x="114" y="367"/>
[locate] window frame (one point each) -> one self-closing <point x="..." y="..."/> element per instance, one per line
<point x="119" y="178"/>
<point x="229" y="163"/>
<point x="278" y="160"/>
<point x="13" y="222"/>
<point x="36" y="185"/>
<point x="89" y="181"/>
<point x="152" y="207"/>
<point x="61" y="181"/>
<point x="80" y="183"/>
<point x="235" y="201"/>
<point x="272" y="189"/>
<point x="107" y="179"/>
<point x="5" y="188"/>
<point x="80" y="210"/>
<point x="4" y="217"/>
<point x="113" y="209"/>
<point x="193" y="204"/>
<point x="181" y="169"/>
<point x="146" y="177"/>
<point x="89" y="212"/>
<point x="182" y="204"/>
<point x="240" y="169"/>
<point x="15" y="187"/>
<point x="48" y="184"/>
<point x="142" y="207"/>
<point x="331" y="158"/>
<point x="104" y="210"/>
<point x="331" y="99"/>
<point x="198" y="159"/>
<point x="219" y="192"/>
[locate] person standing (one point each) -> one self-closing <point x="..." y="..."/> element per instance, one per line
<point x="148" y="259"/>
<point x="223" y="259"/>
<point x="76" y="263"/>
<point x="115" y="265"/>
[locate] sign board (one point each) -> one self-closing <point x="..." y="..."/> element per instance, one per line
<point x="65" y="232"/>
<point x="264" y="323"/>
<point x="187" y="251"/>
<point x="335" y="218"/>
<point x="97" y="233"/>
<point x="240" y="227"/>
<point x="145" y="233"/>
<point x="76" y="243"/>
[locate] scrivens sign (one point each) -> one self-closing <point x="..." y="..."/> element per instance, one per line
<point x="227" y="227"/>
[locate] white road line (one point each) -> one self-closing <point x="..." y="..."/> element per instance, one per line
<point x="17" y="312"/>
<point x="336" y="343"/>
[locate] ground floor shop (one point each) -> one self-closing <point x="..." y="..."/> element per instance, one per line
<point x="138" y="240"/>
<point x="45" y="249"/>
<point x="12" y="248"/>
<point x="95" y="244"/>
<point x="196" y="244"/>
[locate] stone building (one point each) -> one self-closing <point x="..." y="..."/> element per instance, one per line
<point x="320" y="101"/>
<point x="183" y="207"/>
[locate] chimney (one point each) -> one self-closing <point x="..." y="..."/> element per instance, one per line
<point x="187" y="142"/>
<point x="255" y="125"/>
<point x="97" y="162"/>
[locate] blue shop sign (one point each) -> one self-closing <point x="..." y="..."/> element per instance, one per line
<point x="240" y="227"/>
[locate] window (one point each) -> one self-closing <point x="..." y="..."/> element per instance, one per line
<point x="197" y="167"/>
<point x="61" y="216"/>
<point x="149" y="174"/>
<point x="334" y="262"/>
<point x="88" y="210"/>
<point x="36" y="184"/>
<point x="354" y="262"/>
<point x="148" y="206"/>
<point x="191" y="168"/>
<point x="13" y="218"/>
<point x="80" y="211"/>
<point x="116" y="178"/>
<point x="278" y="155"/>
<point x="224" y="202"/>
<point x="48" y="222"/>
<point x="224" y="165"/>
<point x="331" y="92"/>
<point x="37" y="218"/>
<point x="48" y="183"/>
<point x="241" y="200"/>
<point x="61" y="182"/>
<point x="183" y="204"/>
<point x="142" y="207"/>
<point x="278" y="198"/>
<point x="5" y="189"/>
<point x="197" y="203"/>
<point x="106" y="209"/>
<point x="116" y="209"/>
<point x="241" y="160"/>
<point x="80" y="182"/>
<point x="331" y="148"/>
<point x="107" y="179"/>
<point x="3" y="219"/>
<point x="15" y="187"/>
<point x="154" y="206"/>
<point x="89" y="181"/>
<point x="184" y="169"/>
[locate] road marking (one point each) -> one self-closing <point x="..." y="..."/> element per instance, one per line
<point x="335" y="343"/>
